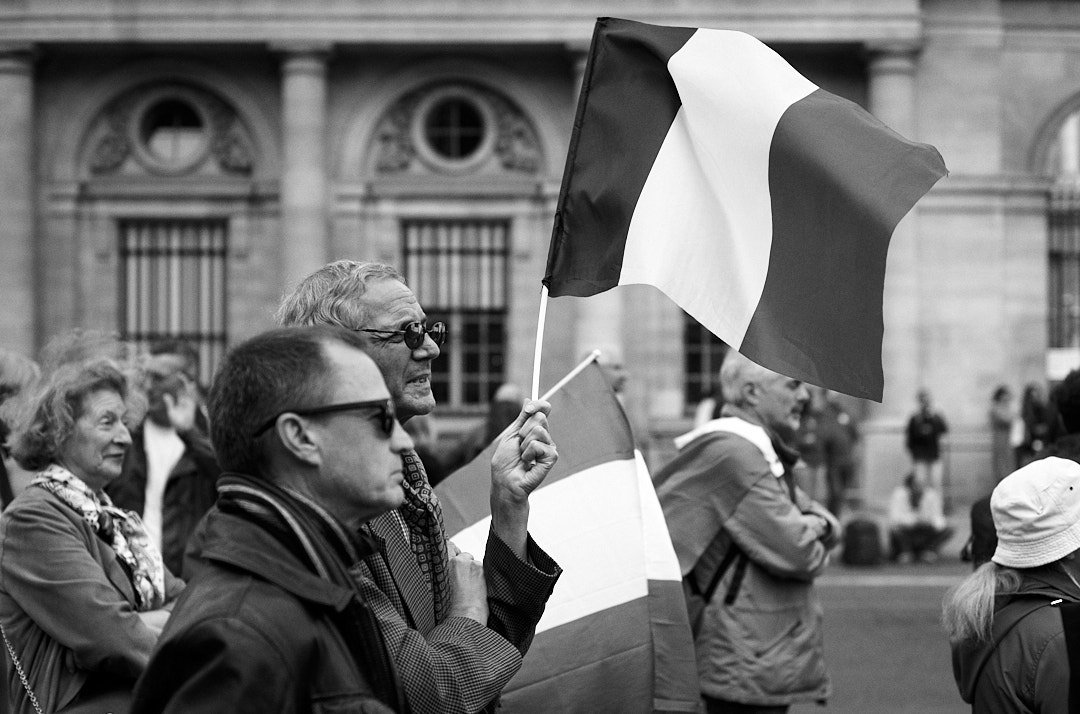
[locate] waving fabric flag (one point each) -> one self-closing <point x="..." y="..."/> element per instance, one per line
<point x="705" y="165"/>
<point x="614" y="636"/>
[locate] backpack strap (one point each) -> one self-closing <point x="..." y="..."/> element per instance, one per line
<point x="1006" y="619"/>
<point x="1070" y="620"/>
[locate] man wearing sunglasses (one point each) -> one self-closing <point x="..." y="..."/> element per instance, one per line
<point x="457" y="639"/>
<point x="274" y="621"/>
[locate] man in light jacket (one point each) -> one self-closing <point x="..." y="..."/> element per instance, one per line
<point x="750" y="544"/>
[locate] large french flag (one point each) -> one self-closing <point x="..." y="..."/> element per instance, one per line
<point x="615" y="635"/>
<point x="703" y="164"/>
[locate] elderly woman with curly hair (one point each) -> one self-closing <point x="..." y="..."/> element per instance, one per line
<point x="83" y="594"/>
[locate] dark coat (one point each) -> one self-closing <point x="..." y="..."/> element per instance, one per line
<point x="189" y="492"/>
<point x="256" y="632"/>
<point x="1029" y="671"/>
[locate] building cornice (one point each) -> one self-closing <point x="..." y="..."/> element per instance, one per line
<point x="429" y="22"/>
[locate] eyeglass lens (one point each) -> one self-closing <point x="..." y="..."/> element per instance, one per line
<point x="415" y="331"/>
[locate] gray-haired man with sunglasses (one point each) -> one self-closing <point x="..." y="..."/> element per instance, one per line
<point x="458" y="633"/>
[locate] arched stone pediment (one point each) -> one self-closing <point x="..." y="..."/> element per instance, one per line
<point x="168" y="129"/>
<point x="454" y="128"/>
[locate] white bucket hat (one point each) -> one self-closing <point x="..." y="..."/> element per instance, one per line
<point x="1036" y="513"/>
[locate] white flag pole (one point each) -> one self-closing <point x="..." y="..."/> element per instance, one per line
<point x="571" y="374"/>
<point x="539" y="340"/>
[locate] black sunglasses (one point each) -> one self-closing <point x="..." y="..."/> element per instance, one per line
<point x="385" y="407"/>
<point x="414" y="333"/>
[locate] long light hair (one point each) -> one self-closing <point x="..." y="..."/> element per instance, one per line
<point x="968" y="608"/>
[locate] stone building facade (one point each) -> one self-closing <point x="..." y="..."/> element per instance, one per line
<point x="168" y="168"/>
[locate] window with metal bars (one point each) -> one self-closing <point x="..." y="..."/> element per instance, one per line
<point x="703" y="352"/>
<point x="459" y="272"/>
<point x="172" y="286"/>
<point x="1064" y="267"/>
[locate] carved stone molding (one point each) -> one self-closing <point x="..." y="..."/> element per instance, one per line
<point x="117" y="142"/>
<point x="510" y="144"/>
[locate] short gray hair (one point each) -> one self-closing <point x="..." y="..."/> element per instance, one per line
<point x="330" y="295"/>
<point x="736" y="372"/>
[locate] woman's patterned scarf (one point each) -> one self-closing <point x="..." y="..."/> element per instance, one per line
<point x="122" y="530"/>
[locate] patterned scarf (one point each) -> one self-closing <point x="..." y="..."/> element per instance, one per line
<point x="423" y="516"/>
<point x="122" y="530"/>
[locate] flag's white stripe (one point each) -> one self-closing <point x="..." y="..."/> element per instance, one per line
<point x="591" y="524"/>
<point x="708" y="191"/>
<point x="661" y="562"/>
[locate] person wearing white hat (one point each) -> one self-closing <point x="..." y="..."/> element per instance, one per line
<point x="1006" y="620"/>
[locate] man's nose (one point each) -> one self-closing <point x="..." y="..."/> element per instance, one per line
<point x="427" y="350"/>
<point x="400" y="441"/>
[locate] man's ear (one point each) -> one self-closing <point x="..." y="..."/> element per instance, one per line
<point x="298" y="439"/>
<point x="750" y="393"/>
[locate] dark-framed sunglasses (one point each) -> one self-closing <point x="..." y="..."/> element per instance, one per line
<point x="414" y="333"/>
<point x="386" y="414"/>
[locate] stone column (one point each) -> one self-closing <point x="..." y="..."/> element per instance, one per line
<point x="600" y="317"/>
<point x="304" y="203"/>
<point x="18" y="319"/>
<point x="892" y="100"/>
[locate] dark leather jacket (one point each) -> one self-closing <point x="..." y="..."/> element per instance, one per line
<point x="258" y="632"/>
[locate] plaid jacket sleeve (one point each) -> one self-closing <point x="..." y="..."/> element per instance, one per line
<point x="517" y="590"/>
<point x="459" y="667"/>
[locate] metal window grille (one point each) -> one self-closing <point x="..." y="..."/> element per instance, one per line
<point x="172" y="285"/>
<point x="1064" y="267"/>
<point x="703" y="352"/>
<point x="459" y="271"/>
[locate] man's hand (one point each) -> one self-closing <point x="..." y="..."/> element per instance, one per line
<point x="523" y="457"/>
<point x="468" y="589"/>
<point x="181" y="409"/>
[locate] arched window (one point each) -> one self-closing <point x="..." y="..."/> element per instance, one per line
<point x="457" y="140"/>
<point x="1063" y="162"/>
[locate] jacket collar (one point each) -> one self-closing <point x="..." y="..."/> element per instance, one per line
<point x="246" y="542"/>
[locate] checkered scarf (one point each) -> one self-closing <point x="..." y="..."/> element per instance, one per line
<point x="423" y="516"/>
<point x="122" y="530"/>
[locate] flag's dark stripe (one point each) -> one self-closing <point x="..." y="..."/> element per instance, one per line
<point x="675" y="675"/>
<point x="840" y="181"/>
<point x="582" y="439"/>
<point x="626" y="107"/>
<point x="599" y="663"/>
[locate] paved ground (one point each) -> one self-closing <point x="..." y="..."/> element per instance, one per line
<point x="884" y="645"/>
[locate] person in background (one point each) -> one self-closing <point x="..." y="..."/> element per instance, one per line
<point x="170" y="474"/>
<point x="1010" y="649"/>
<point x="1002" y="419"/>
<point x="446" y="664"/>
<point x="839" y="435"/>
<point x="17" y="374"/>
<point x="1066" y="445"/>
<point x="916" y="520"/>
<point x="272" y="620"/>
<point x="83" y="593"/>
<point x="810" y="473"/>
<point x="1038" y="418"/>
<point x="738" y="520"/>
<point x="188" y="355"/>
<point x="923" y="435"/>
